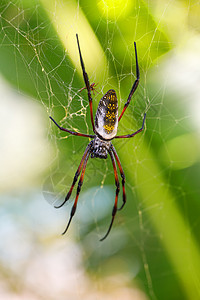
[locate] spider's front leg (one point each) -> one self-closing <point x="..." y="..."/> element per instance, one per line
<point x="87" y="83"/>
<point x="135" y="85"/>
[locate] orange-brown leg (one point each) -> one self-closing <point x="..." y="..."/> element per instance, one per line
<point x="76" y="175"/>
<point x="73" y="210"/>
<point x="116" y="195"/>
<point x="122" y="176"/>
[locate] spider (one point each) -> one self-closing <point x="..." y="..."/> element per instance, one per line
<point x="105" y="130"/>
<point x="92" y="88"/>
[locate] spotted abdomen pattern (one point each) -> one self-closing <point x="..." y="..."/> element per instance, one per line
<point x="106" y="119"/>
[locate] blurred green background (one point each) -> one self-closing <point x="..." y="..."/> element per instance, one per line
<point x="152" y="251"/>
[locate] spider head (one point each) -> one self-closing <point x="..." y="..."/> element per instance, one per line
<point x="100" y="148"/>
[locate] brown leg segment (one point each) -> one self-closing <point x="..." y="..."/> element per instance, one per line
<point x="73" y="210"/>
<point x="122" y="176"/>
<point x="76" y="175"/>
<point x="116" y="195"/>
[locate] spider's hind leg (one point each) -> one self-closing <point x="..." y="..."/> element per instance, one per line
<point x="122" y="176"/>
<point x="116" y="195"/>
<point x="76" y="175"/>
<point x="73" y="210"/>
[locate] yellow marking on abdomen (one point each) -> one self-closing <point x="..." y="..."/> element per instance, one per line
<point x="110" y="115"/>
<point x="108" y="128"/>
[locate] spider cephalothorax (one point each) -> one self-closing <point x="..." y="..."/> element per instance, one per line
<point x="105" y="129"/>
<point x="100" y="148"/>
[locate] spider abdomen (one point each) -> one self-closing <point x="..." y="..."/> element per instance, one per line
<point x="100" y="148"/>
<point x="106" y="119"/>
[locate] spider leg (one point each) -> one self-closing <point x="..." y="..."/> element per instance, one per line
<point x="73" y="210"/>
<point x="122" y="176"/>
<point x="76" y="175"/>
<point x="134" y="133"/>
<point x="116" y="195"/>
<point x="71" y="132"/>
<point x="87" y="83"/>
<point x="134" y="85"/>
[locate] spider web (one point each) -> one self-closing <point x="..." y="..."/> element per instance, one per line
<point x="39" y="57"/>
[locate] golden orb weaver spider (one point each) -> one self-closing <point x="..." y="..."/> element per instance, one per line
<point x="105" y="130"/>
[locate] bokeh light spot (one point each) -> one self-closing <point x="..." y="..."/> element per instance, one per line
<point x="115" y="9"/>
